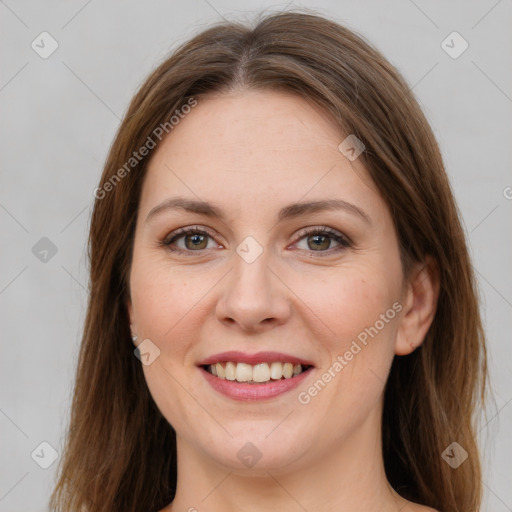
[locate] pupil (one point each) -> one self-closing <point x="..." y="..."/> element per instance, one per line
<point x="196" y="239"/>
<point x="318" y="238"/>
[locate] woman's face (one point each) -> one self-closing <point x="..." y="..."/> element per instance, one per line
<point x="258" y="278"/>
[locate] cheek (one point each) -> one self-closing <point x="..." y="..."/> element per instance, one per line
<point x="161" y="298"/>
<point x="347" y="301"/>
<point x="360" y="314"/>
<point x="366" y="323"/>
<point x="164" y="301"/>
<point x="162" y="305"/>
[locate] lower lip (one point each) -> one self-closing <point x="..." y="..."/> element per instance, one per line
<point x="251" y="392"/>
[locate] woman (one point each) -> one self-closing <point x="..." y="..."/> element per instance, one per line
<point x="282" y="310"/>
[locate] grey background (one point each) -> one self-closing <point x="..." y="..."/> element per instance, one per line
<point x="59" y="116"/>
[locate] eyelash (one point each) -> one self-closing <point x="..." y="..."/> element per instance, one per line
<point x="180" y="233"/>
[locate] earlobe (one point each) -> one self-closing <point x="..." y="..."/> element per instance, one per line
<point x="420" y="305"/>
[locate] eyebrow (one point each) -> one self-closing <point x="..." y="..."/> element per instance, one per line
<point x="288" y="212"/>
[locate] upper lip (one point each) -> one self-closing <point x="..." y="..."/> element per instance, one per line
<point x="258" y="357"/>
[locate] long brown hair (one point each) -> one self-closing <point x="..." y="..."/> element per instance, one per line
<point x="120" y="452"/>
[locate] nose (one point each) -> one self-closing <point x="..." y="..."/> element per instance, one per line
<point x="253" y="297"/>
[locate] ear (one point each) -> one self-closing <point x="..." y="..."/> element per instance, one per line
<point x="131" y="318"/>
<point x="420" y="302"/>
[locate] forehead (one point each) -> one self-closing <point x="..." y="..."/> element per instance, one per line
<point x="254" y="146"/>
<point x="254" y="122"/>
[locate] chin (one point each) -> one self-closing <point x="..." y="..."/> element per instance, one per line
<point x="259" y="449"/>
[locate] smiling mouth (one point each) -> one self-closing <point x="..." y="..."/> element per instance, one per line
<point x="261" y="373"/>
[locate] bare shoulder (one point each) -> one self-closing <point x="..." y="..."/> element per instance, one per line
<point x="415" y="507"/>
<point x="410" y="506"/>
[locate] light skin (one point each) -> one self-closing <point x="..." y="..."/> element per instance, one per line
<point x="251" y="153"/>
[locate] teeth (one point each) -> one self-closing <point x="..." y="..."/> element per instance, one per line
<point x="287" y="370"/>
<point x="243" y="372"/>
<point x="262" y="372"/>
<point x="276" y="370"/>
<point x="230" y="371"/>
<point x="220" y="372"/>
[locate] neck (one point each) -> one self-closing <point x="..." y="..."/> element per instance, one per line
<point x="348" y="477"/>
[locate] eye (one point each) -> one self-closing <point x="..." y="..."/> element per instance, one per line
<point x="194" y="238"/>
<point x="318" y="239"/>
